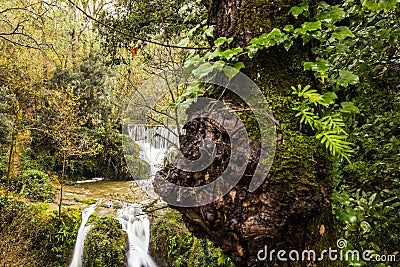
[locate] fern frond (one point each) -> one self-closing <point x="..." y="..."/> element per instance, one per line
<point x="334" y="123"/>
<point x="335" y="143"/>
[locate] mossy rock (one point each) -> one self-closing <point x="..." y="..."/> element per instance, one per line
<point x="171" y="244"/>
<point x="105" y="244"/>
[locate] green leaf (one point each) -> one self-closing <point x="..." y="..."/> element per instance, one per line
<point x="335" y="143"/>
<point x="274" y="34"/>
<point x="333" y="122"/>
<point x="320" y="67"/>
<point x="328" y="98"/>
<point x="349" y="108"/>
<point x="313" y="96"/>
<point x="251" y="51"/>
<point x="239" y="66"/>
<point x="230" y="72"/>
<point x="209" y="31"/>
<point x="365" y="226"/>
<point x="379" y="5"/>
<point x="287" y="44"/>
<point x="229" y="53"/>
<point x="222" y="40"/>
<point x="203" y="70"/>
<point x="189" y="63"/>
<point x="190" y="17"/>
<point x="184" y="42"/>
<point x="333" y="15"/>
<point x="297" y="10"/>
<point x="288" y="28"/>
<point x="309" y="26"/>
<point x="192" y="89"/>
<point x="219" y="65"/>
<point x="347" y="77"/>
<point x="342" y="32"/>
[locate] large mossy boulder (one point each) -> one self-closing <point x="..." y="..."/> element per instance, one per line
<point x="171" y="244"/>
<point x="105" y="244"/>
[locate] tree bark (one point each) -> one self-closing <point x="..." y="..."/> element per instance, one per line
<point x="291" y="210"/>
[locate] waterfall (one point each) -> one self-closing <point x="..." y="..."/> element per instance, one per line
<point x="80" y="239"/>
<point x="135" y="223"/>
<point x="155" y="142"/>
<point x="158" y="137"/>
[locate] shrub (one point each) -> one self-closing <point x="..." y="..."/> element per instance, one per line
<point x="33" y="235"/>
<point x="34" y="184"/>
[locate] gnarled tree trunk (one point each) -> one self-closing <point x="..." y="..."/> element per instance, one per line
<point x="291" y="210"/>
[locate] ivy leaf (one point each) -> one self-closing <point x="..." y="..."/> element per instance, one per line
<point x="270" y="39"/>
<point x="239" y="66"/>
<point x="297" y="10"/>
<point x="209" y="31"/>
<point x="321" y="67"/>
<point x="222" y="40"/>
<point x="333" y="15"/>
<point x="288" y="28"/>
<point x="287" y="44"/>
<point x="219" y="65"/>
<point x="184" y="42"/>
<point x="347" y="77"/>
<point x="309" y="26"/>
<point x="192" y="90"/>
<point x="252" y="50"/>
<point x="275" y="34"/>
<point x="328" y="98"/>
<point x="230" y="72"/>
<point x="349" y="108"/>
<point x="203" y="70"/>
<point x="342" y="32"/>
<point x="379" y="5"/>
<point x="228" y="54"/>
<point x="191" y="62"/>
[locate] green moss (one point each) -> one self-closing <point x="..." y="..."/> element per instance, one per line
<point x="172" y="244"/>
<point x="295" y="161"/>
<point x="87" y="201"/>
<point x="105" y="244"/>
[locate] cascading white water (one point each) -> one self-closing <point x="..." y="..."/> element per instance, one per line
<point x="154" y="142"/>
<point x="135" y="223"/>
<point x="82" y="233"/>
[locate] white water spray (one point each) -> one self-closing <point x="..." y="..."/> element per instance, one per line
<point x="135" y="223"/>
<point x="82" y="233"/>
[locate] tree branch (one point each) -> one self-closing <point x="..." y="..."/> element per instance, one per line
<point x="133" y="36"/>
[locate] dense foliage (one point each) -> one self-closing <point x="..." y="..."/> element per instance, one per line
<point x="63" y="91"/>
<point x="352" y="107"/>
<point x="105" y="244"/>
<point x="172" y="244"/>
<point x="33" y="235"/>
